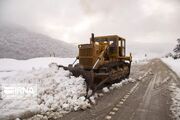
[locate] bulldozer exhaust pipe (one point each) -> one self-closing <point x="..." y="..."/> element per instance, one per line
<point x="92" y="38"/>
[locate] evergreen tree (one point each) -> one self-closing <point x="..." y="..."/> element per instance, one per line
<point x="177" y="49"/>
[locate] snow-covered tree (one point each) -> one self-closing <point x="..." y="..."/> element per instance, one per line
<point x="177" y="49"/>
<point x="169" y="55"/>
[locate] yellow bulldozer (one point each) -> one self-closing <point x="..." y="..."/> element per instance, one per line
<point x="102" y="62"/>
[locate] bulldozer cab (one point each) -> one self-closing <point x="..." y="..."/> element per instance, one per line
<point x="102" y="49"/>
<point x="116" y="45"/>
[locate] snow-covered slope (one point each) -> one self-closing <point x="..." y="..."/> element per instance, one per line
<point x="18" y="43"/>
<point x="173" y="64"/>
<point x="10" y="67"/>
<point x="30" y="64"/>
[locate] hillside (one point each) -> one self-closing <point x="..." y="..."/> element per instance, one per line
<point x="19" y="43"/>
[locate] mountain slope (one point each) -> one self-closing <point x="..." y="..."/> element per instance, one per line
<point x="19" y="43"/>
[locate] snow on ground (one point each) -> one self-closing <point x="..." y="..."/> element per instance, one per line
<point x="105" y="90"/>
<point x="173" y="64"/>
<point x="140" y="60"/>
<point x="46" y="91"/>
<point x="175" y="96"/>
<point x="124" y="82"/>
<point x="53" y="89"/>
<point x="11" y="66"/>
<point x="175" y="107"/>
<point x="35" y="63"/>
<point x="57" y="90"/>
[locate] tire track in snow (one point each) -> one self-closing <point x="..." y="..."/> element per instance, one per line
<point x="147" y="98"/>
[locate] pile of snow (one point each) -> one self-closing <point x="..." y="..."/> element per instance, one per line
<point x="105" y="90"/>
<point x="118" y="85"/>
<point x="58" y="92"/>
<point x="175" y="107"/>
<point x="173" y="64"/>
<point x="123" y="82"/>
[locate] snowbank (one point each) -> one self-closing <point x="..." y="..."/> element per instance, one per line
<point x="175" y="107"/>
<point x="173" y="64"/>
<point x="118" y="85"/>
<point x="175" y="95"/>
<point x="57" y="91"/>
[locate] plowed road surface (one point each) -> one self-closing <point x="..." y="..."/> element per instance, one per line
<point x="146" y="99"/>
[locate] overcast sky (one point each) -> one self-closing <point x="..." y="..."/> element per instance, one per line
<point x="150" y="26"/>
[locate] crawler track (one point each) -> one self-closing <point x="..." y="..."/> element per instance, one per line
<point x="105" y="75"/>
